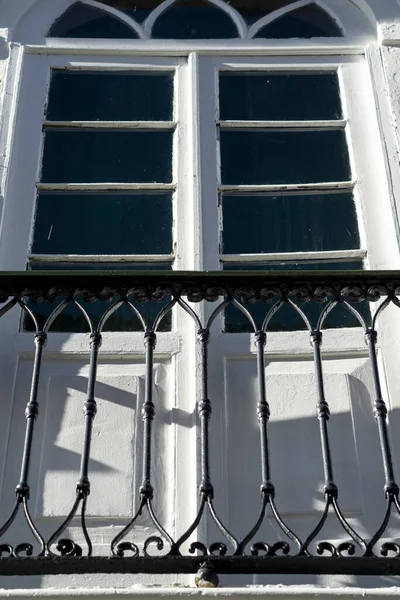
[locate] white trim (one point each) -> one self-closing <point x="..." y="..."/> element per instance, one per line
<point x="112" y="187"/>
<point x="276" y="14"/>
<point x="304" y="592"/>
<point x="100" y="258"/>
<point x="235" y="16"/>
<point x="288" y="257"/>
<point x="33" y="25"/>
<point x="286" y="125"/>
<point x="153" y="16"/>
<point x="312" y="188"/>
<point x="121" y="16"/>
<point x="164" y="6"/>
<point x="140" y="125"/>
<point x="332" y="14"/>
<point x="196" y="172"/>
<point x="170" y="48"/>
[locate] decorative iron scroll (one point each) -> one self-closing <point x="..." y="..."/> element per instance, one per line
<point x="181" y="291"/>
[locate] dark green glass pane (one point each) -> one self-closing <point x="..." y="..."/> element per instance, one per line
<point x="95" y="223"/>
<point x="82" y="21"/>
<point x="194" y="19"/>
<point x="287" y="319"/>
<point x="267" y="157"/>
<point x="253" y="224"/>
<point x="306" y="22"/>
<point x="71" y="319"/>
<point x="279" y="96"/>
<point x="110" y="96"/>
<point x="89" y="156"/>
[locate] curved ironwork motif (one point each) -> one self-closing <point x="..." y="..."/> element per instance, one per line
<point x="276" y="293"/>
<point x="263" y="414"/>
<point x="119" y="546"/>
<point x="206" y="488"/>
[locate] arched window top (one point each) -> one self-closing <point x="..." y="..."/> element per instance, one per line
<point x="195" y="19"/>
<point x="82" y="21"/>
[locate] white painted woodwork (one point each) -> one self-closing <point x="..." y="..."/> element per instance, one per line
<point x="367" y="86"/>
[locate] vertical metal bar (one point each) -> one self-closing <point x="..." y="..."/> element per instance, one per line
<point x="148" y="414"/>
<point x="90" y="410"/>
<point x="263" y="412"/>
<point x="323" y="412"/>
<point x="380" y="414"/>
<point x="204" y="411"/>
<point x="31" y="413"/>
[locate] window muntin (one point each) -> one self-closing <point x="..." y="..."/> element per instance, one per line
<point x="250" y="10"/>
<point x="284" y="180"/>
<point x="194" y="19"/>
<point x="105" y="188"/>
<point x="84" y="21"/>
<point x="305" y="22"/>
<point x="106" y="184"/>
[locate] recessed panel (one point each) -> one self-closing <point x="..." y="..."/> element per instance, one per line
<point x="294" y="439"/>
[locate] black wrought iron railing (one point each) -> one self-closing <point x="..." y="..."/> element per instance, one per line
<point x="365" y="296"/>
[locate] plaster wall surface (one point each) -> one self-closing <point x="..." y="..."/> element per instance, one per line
<point x="382" y="15"/>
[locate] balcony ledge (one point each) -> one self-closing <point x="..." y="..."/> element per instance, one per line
<point x="272" y="592"/>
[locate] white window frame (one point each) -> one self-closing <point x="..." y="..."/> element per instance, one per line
<point x="197" y="127"/>
<point x="197" y="155"/>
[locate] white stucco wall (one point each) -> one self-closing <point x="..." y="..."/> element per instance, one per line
<point x="385" y="64"/>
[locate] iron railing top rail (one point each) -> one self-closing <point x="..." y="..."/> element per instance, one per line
<point x="32" y="283"/>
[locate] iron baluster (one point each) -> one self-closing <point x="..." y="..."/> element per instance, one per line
<point x="323" y="413"/>
<point x="391" y="488"/>
<point x="148" y="414"/>
<point x="330" y="487"/>
<point x="118" y="545"/>
<point x="206" y="575"/>
<point x="22" y="489"/>
<point x="66" y="546"/>
<point x="204" y="409"/>
<point x="267" y="487"/>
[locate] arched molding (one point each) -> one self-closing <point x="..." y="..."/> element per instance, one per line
<point x="229" y="10"/>
<point x="34" y="22"/>
<point x="332" y="14"/>
<point x="28" y="21"/>
<point x="276" y="14"/>
<point x="118" y="14"/>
